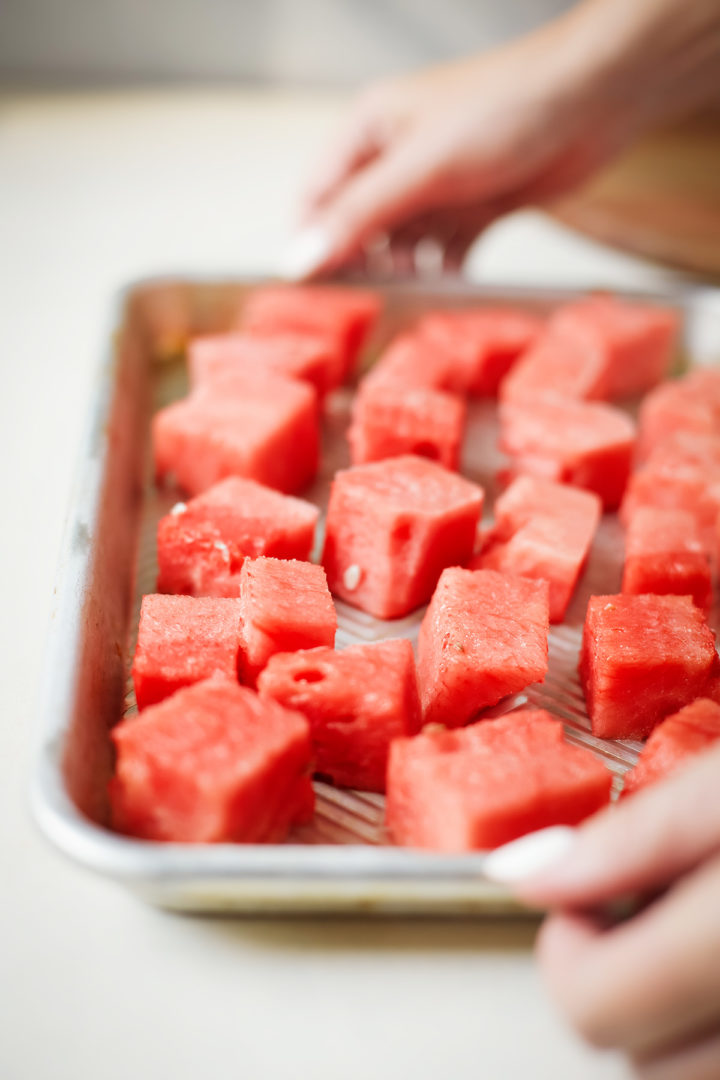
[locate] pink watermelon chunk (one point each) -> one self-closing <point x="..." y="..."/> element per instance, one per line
<point x="212" y="764"/>
<point x="412" y="361"/>
<point x="563" y="363"/>
<point x="263" y="428"/>
<point x="490" y="783"/>
<point x="484" y="636"/>
<point x="664" y="553"/>
<point x="483" y="343"/>
<point x="690" y="404"/>
<point x="285" y="605"/>
<point x="586" y="444"/>
<point x="542" y="530"/>
<point x="644" y="657"/>
<point x="357" y="702"/>
<point x="346" y="315"/>
<point x="674" y="742"/>
<point x="202" y="545"/>
<point x="313" y="359"/>
<point x="392" y="527"/>
<point x="389" y="421"/>
<point x="682" y="473"/>
<point x="637" y="339"/>
<point x="183" y="640"/>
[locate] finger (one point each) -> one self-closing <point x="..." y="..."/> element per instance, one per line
<point x="698" y="1061"/>
<point x="395" y="188"/>
<point x="637" y="845"/>
<point x="645" y="985"/>
<point x="355" y="145"/>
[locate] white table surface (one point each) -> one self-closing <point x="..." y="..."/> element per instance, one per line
<point x="94" y="192"/>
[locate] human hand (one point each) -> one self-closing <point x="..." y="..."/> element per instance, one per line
<point x="649" y="986"/>
<point x="439" y="154"/>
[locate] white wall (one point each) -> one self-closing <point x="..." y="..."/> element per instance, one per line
<point x="297" y="41"/>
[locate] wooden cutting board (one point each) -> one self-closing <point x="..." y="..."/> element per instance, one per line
<point x="660" y="200"/>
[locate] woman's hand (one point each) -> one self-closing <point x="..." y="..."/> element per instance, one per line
<point x="441" y="153"/>
<point x="649" y="986"/>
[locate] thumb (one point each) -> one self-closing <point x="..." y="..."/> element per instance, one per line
<point x="391" y="189"/>
<point x="638" y="845"/>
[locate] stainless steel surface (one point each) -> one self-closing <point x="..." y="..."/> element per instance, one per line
<point x="342" y="862"/>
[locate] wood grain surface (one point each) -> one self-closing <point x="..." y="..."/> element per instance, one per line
<point x="660" y="200"/>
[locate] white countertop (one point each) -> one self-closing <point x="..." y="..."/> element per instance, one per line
<point x="94" y="192"/>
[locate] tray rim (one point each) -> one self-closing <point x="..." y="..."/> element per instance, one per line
<point x="138" y="863"/>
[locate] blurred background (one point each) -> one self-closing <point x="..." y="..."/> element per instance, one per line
<point x="313" y="43"/>
<point x="662" y="199"/>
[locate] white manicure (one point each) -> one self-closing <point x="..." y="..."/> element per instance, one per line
<point x="305" y="254"/>
<point x="529" y="855"/>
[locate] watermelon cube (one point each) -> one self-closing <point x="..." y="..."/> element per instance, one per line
<point x="586" y="444"/>
<point x="392" y="526"/>
<point x="681" y="473"/>
<point x="490" y="783"/>
<point x="202" y="544"/>
<point x="483" y="343"/>
<point x="214" y="763"/>
<point x="389" y="421"/>
<point x="644" y="657"/>
<point x="664" y="553"/>
<point x="563" y="363"/>
<point x="285" y="605"/>
<point x="264" y="428"/>
<point x="357" y="702"/>
<point x="542" y="530"/>
<point x="690" y="404"/>
<point x="674" y="742"/>
<point x="484" y="636"/>
<point x="182" y="640"/>
<point x="313" y="359"/>
<point x="638" y="340"/>
<point x="345" y="315"/>
<point x="412" y="361"/>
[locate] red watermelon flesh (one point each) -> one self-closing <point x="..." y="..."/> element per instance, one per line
<point x="312" y="359"/>
<point x="644" y="657"/>
<point x="392" y="527"/>
<point x="183" y="640"/>
<point x="664" y="553"/>
<point x="285" y="605"/>
<point x="412" y="361"/>
<point x="567" y="363"/>
<point x="674" y="741"/>
<point x="490" y="783"/>
<point x="357" y="702"/>
<point x="690" y="404"/>
<point x="389" y="421"/>
<point x="542" y="530"/>
<point x="483" y="343"/>
<point x="202" y="545"/>
<point x="484" y="636"/>
<point x="682" y="473"/>
<point x="347" y="315"/>
<point x="263" y="428"/>
<point x="638" y="339"/>
<point x="212" y="764"/>
<point x="586" y="444"/>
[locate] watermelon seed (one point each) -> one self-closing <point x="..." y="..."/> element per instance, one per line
<point x="352" y="577"/>
<point x="179" y="508"/>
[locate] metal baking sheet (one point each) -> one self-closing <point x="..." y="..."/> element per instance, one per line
<point x="343" y="861"/>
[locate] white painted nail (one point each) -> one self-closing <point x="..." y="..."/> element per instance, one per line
<point x="529" y="855"/>
<point x="305" y="254"/>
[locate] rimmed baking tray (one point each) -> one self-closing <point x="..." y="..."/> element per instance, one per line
<point x="343" y="861"/>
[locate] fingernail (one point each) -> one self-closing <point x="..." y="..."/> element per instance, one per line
<point x="531" y="854"/>
<point x="305" y="254"/>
